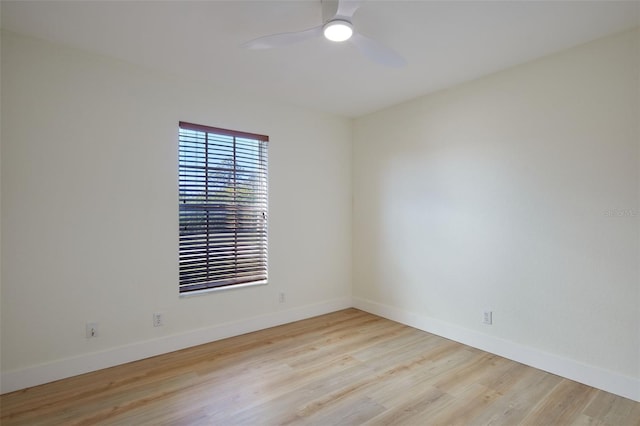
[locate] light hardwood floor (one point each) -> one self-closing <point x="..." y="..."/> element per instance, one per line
<point x="348" y="367"/>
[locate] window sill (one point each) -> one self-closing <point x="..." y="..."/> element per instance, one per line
<point x="225" y="288"/>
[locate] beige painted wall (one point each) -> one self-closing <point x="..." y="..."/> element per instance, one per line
<point x="89" y="203"/>
<point x="516" y="193"/>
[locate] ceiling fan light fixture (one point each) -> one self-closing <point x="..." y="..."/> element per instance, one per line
<point x="338" y="30"/>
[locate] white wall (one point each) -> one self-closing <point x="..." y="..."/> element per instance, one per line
<point x="516" y="193"/>
<point x="89" y="212"/>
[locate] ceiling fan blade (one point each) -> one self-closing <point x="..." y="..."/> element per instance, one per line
<point x="283" y="39"/>
<point x="377" y="52"/>
<point x="346" y="8"/>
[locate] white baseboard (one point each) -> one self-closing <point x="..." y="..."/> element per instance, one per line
<point x="599" y="378"/>
<point x="618" y="384"/>
<point x="45" y="373"/>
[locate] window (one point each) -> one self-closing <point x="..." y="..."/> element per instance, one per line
<point x="223" y="208"/>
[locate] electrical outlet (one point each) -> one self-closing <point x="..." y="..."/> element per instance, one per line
<point x="91" y="330"/>
<point x="281" y="297"/>
<point x="158" y="319"/>
<point x="487" y="318"/>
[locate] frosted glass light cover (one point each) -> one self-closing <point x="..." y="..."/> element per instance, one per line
<point x="338" y="30"/>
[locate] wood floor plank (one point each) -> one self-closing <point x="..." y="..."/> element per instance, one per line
<point x="519" y="397"/>
<point x="344" y="368"/>
<point x="613" y="410"/>
<point x="414" y="405"/>
<point x="466" y="407"/>
<point x="562" y="405"/>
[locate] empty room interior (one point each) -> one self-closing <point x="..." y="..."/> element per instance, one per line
<point x="320" y="212"/>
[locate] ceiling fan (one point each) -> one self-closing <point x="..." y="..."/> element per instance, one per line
<point x="338" y="28"/>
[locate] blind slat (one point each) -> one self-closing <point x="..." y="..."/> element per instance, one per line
<point x="223" y="201"/>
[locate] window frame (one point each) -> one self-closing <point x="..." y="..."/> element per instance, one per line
<point x="238" y="209"/>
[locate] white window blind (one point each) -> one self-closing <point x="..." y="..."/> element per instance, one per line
<point x="223" y="207"/>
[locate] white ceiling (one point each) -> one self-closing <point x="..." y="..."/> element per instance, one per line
<point x="444" y="42"/>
